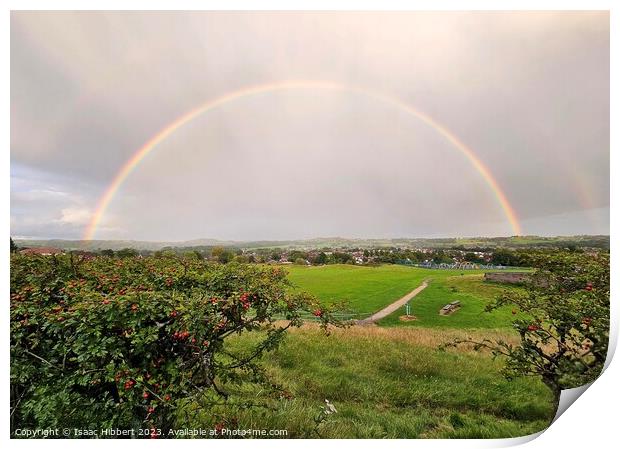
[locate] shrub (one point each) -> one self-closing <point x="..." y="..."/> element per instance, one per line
<point x="104" y="342"/>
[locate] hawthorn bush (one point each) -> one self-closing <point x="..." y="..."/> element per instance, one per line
<point x="565" y="335"/>
<point x="102" y="342"/>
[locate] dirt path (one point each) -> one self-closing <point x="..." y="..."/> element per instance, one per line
<point x="394" y="306"/>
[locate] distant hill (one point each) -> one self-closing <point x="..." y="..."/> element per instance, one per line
<point x="578" y="241"/>
<point x="92" y="245"/>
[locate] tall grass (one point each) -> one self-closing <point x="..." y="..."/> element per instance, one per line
<point x="390" y="383"/>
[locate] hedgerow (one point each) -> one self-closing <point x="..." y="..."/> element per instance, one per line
<point x="98" y="342"/>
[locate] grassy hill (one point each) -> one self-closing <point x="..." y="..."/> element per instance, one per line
<point x="387" y="383"/>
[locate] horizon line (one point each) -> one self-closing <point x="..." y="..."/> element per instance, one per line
<point x="309" y="238"/>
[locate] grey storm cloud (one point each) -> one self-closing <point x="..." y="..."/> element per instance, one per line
<point x="528" y="92"/>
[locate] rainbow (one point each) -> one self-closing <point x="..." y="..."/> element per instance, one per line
<point x="210" y="105"/>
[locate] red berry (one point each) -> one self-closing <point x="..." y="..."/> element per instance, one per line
<point x="532" y="328"/>
<point x="318" y="312"/>
<point x="151" y="410"/>
<point x="106" y="301"/>
<point x="173" y="313"/>
<point x="145" y="395"/>
<point x="134" y="307"/>
<point x="167" y="397"/>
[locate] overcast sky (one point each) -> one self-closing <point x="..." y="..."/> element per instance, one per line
<point x="528" y="92"/>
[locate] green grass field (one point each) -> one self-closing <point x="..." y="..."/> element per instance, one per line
<point x="473" y="293"/>
<point x="369" y="289"/>
<point x="390" y="383"/>
<point x="365" y="289"/>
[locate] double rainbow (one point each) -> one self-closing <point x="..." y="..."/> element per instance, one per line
<point x="210" y="105"/>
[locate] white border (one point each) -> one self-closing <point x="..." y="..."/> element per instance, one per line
<point x="590" y="422"/>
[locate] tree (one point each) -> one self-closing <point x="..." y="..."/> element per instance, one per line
<point x="418" y="256"/>
<point x="321" y="259"/>
<point x="221" y="254"/>
<point x="165" y="253"/>
<point x="565" y="330"/>
<point x="225" y="257"/>
<point x="127" y="252"/>
<point x="197" y="254"/>
<point x="440" y="257"/>
<point x="107" y="252"/>
<point x="504" y="257"/>
<point x="340" y="257"/>
<point x="14" y="247"/>
<point x="241" y="259"/>
<point x="471" y="257"/>
<point x="296" y="254"/>
<point x="276" y="255"/>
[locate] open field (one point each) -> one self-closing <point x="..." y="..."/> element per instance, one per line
<point x="365" y="289"/>
<point x="392" y="383"/>
<point x="473" y="293"/>
<point x="369" y="289"/>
